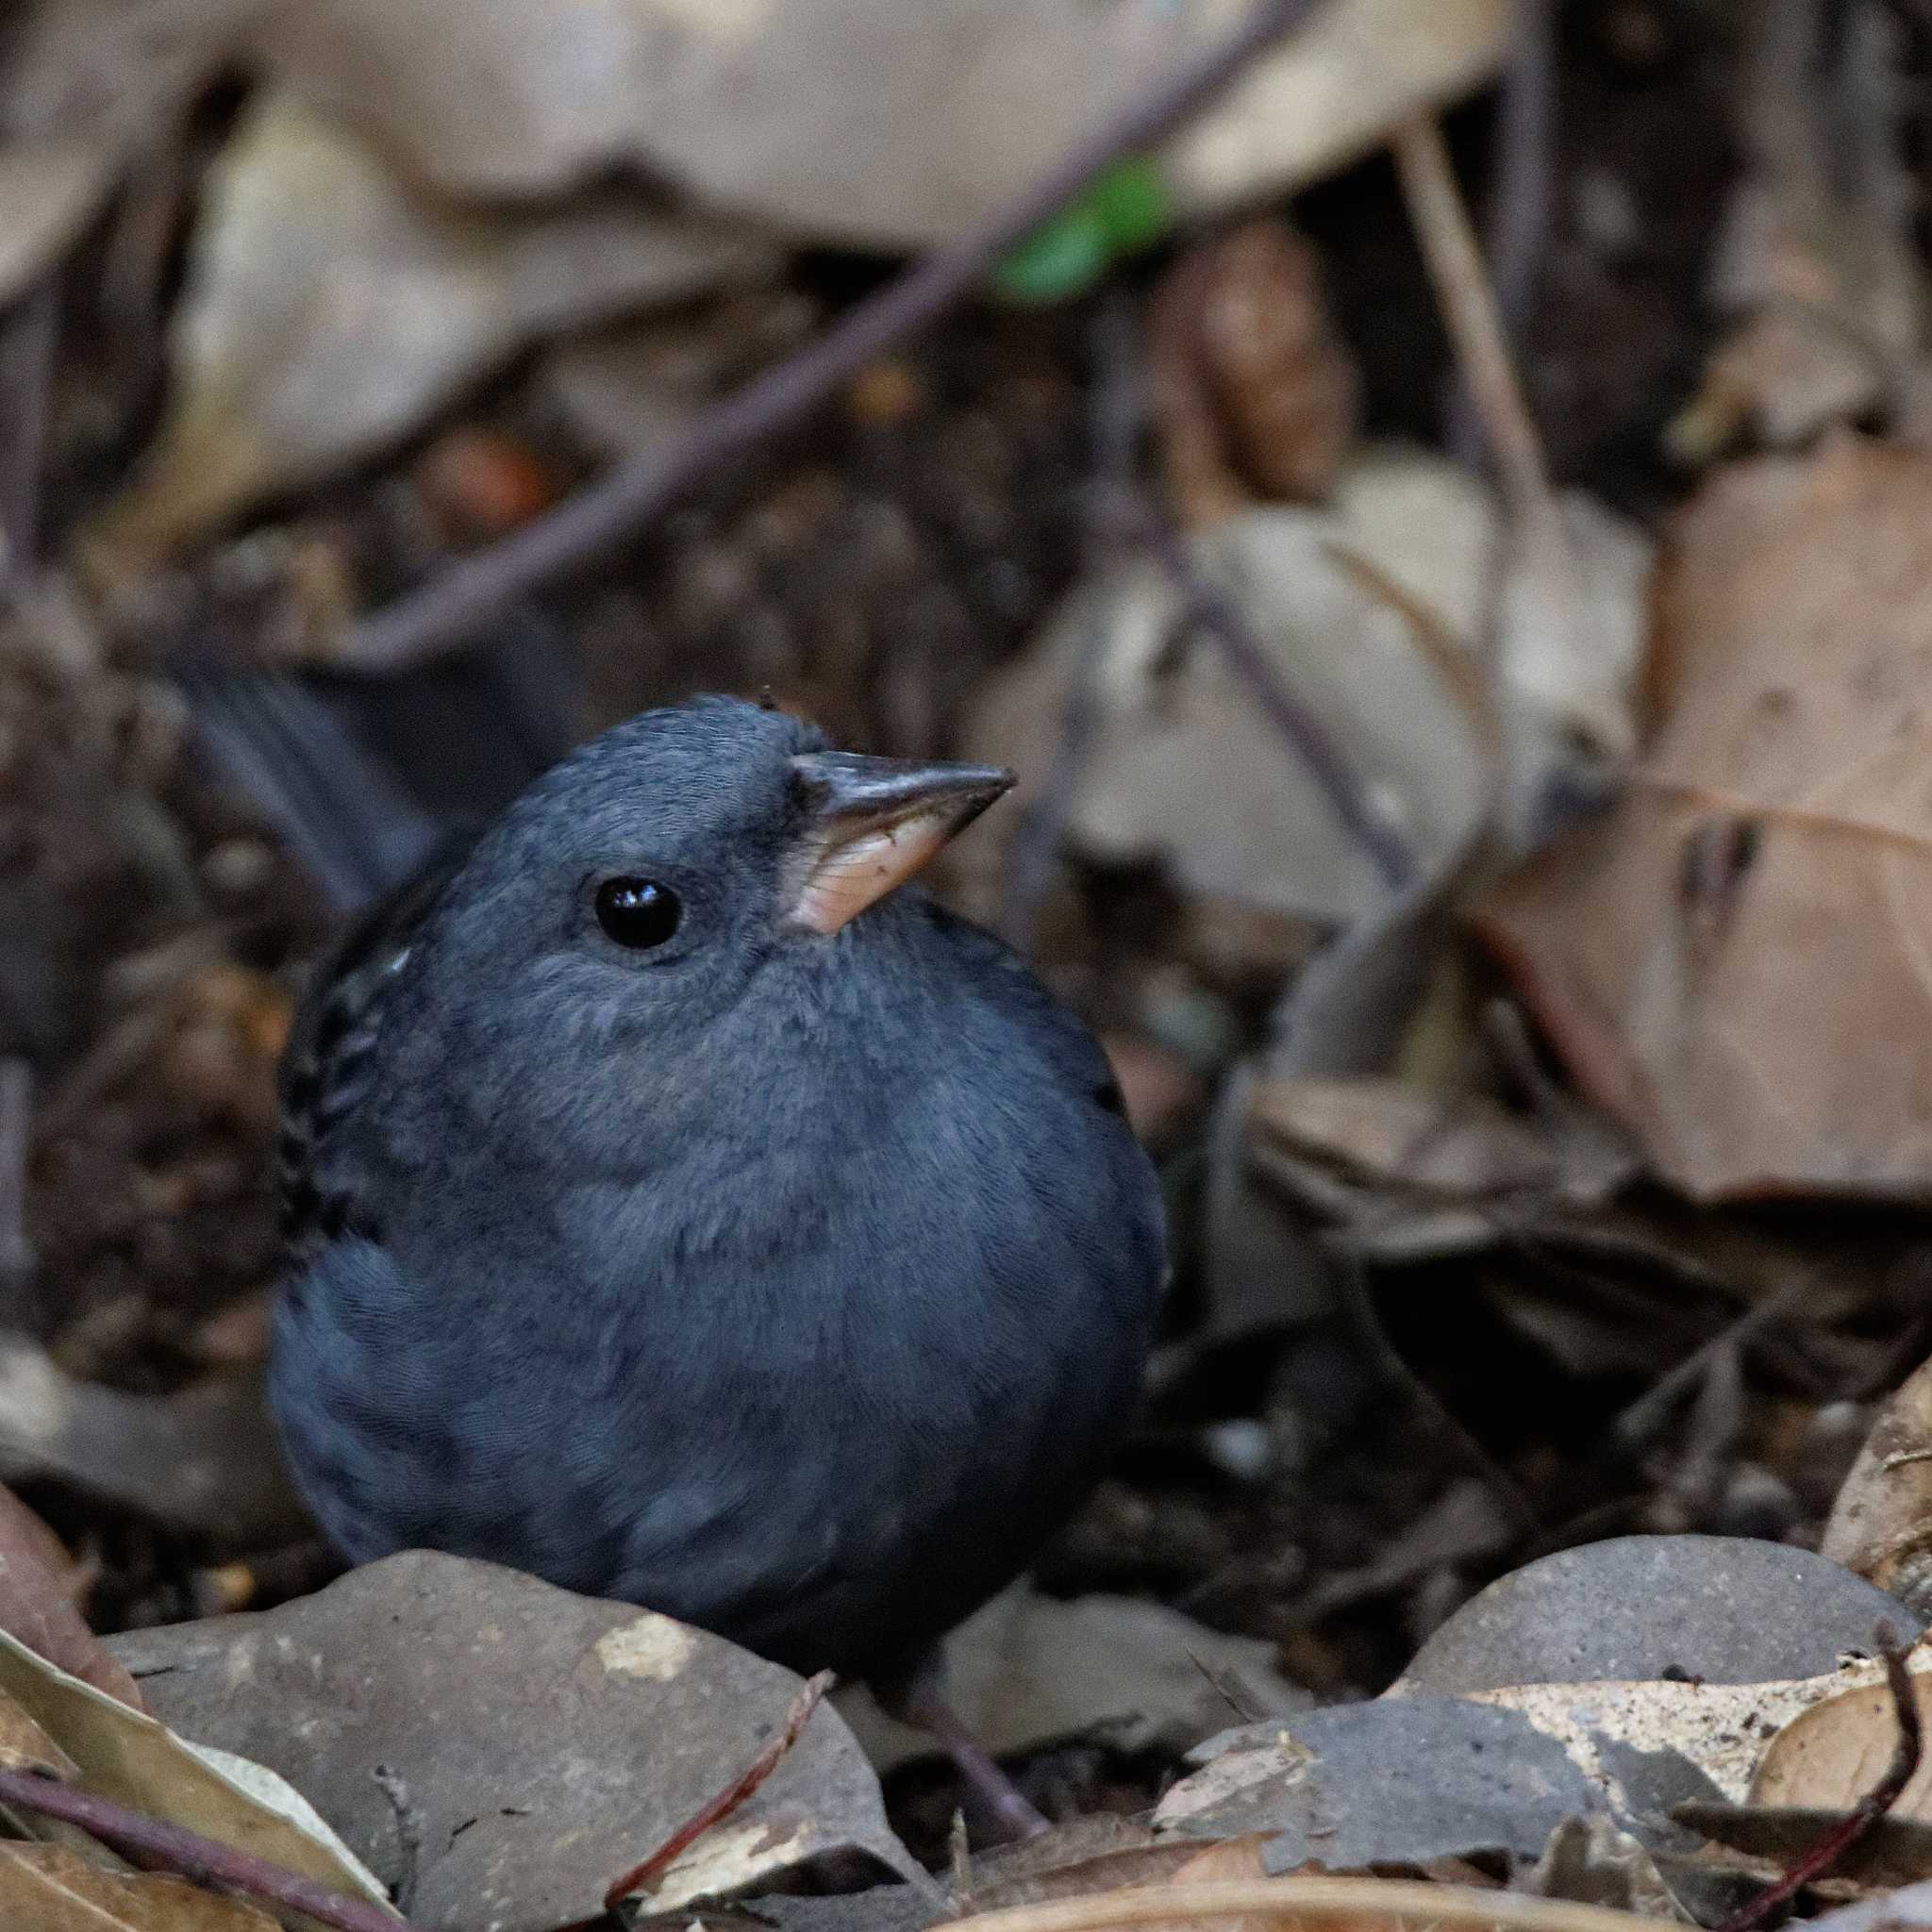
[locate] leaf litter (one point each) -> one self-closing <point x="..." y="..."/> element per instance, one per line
<point x="1473" y="1266"/>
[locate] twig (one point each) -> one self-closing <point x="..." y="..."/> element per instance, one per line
<point x="152" y="1843"/>
<point x="27" y="334"/>
<point x="1412" y="1904"/>
<point x="1208" y="610"/>
<point x="1858" y="1823"/>
<point x="1469" y="312"/>
<point x="1116" y="412"/>
<point x="1520" y="198"/>
<point x="639" y="1877"/>
<point x="16" y="1111"/>
<point x="439" y="616"/>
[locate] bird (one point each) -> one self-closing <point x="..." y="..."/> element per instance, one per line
<point x="682" y="1206"/>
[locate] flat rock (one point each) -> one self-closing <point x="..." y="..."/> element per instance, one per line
<point x="1726" y="1610"/>
<point x="1393" y="1782"/>
<point x="499" y="1750"/>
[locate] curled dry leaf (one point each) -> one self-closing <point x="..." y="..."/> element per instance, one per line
<point x="37" y="1601"/>
<point x="1734" y="963"/>
<point x="1827" y="1757"/>
<point x="329" y="310"/>
<point x="1881" y="1522"/>
<point x="1816" y="264"/>
<point x="51" y="1889"/>
<point x="203" y="1459"/>
<point x="1029" y="1669"/>
<point x="851" y="121"/>
<point x="83" y="87"/>
<point x="1255" y="394"/>
<point x="126" y="1755"/>
<point x="1364" y="611"/>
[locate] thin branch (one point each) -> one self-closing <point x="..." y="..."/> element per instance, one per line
<point x="154" y="1845"/>
<point x="640" y="1878"/>
<point x="28" y="332"/>
<point x="1521" y="195"/>
<point x="1411" y="1905"/>
<point x="1470" y="314"/>
<point x="441" y="616"/>
<point x="1208" y="609"/>
<point x="1859" y="1821"/>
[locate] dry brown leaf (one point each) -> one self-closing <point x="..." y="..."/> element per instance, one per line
<point x="852" y="121"/>
<point x="1827" y="1757"/>
<point x="48" y="189"/>
<point x="1817" y="262"/>
<point x="124" y="1756"/>
<point x="83" y="87"/>
<point x="1255" y="394"/>
<point x="329" y="310"/>
<point x="37" y="1601"/>
<point x="1881" y="1522"/>
<point x="1384" y="1130"/>
<point x="50" y="1889"/>
<point x="1735" y="964"/>
<point x="203" y="1459"/>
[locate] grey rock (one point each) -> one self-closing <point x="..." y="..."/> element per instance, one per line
<point x="1395" y="1782"/>
<point x="499" y="1750"/>
<point x="1728" y="1609"/>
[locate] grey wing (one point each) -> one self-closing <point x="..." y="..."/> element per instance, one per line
<point x="327" y="1068"/>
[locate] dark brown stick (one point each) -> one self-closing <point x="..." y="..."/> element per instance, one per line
<point x="1858" y="1821"/>
<point x="150" y="1842"/>
<point x="441" y="616"/>
<point x="28" y="333"/>
<point x="721" y="1807"/>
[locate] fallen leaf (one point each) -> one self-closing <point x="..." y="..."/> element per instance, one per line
<point x="1590" y="1862"/>
<point x="1816" y="268"/>
<point x="130" y="1758"/>
<point x="37" y="1601"/>
<point x="1734" y="963"/>
<point x="1364" y="612"/>
<point x="1881" y="1522"/>
<point x="846" y="121"/>
<point x="329" y="310"/>
<point x="1028" y="1669"/>
<point x="204" y="1460"/>
<point x="1254" y="394"/>
<point x="1827" y="1757"/>
<point x="48" y="191"/>
<point x="84" y="88"/>
<point x="510" y="1719"/>
<point x="50" y="1889"/>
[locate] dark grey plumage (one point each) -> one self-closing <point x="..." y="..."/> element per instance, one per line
<point x="796" y="1283"/>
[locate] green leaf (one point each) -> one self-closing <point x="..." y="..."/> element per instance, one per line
<point x="1121" y="212"/>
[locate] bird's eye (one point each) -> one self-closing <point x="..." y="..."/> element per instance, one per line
<point x="637" y="913"/>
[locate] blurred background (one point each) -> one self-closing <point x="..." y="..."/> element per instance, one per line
<point x="1440" y="535"/>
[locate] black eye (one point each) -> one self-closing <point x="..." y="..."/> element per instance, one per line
<point x="639" y="913"/>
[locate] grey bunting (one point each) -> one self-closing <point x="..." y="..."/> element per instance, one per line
<point x="684" y="1207"/>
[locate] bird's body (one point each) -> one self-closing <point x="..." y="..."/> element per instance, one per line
<point x="794" y="1281"/>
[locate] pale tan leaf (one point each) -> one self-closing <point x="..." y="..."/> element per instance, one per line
<point x="50" y="1889"/>
<point x="852" y="121"/>
<point x="1738" y="963"/>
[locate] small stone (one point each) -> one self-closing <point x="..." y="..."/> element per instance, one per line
<point x="1725" y="1610"/>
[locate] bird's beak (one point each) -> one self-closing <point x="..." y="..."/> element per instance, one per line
<point x="869" y="824"/>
